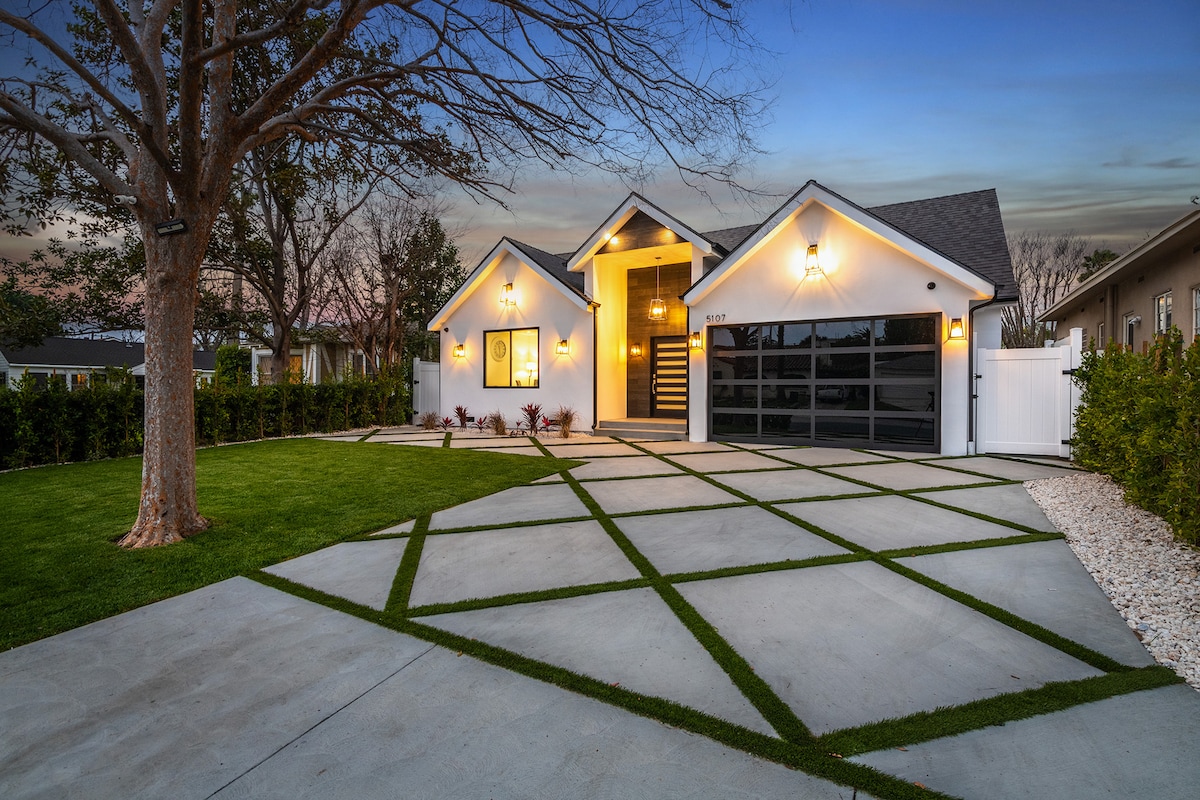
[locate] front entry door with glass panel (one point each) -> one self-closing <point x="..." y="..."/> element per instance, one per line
<point x="668" y="376"/>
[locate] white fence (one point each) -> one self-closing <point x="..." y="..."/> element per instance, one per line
<point x="427" y="387"/>
<point x="1027" y="399"/>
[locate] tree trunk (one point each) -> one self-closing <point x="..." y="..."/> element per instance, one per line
<point x="168" y="509"/>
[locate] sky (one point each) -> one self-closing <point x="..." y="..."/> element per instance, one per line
<point x="1084" y="116"/>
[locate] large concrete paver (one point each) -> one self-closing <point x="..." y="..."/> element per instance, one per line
<point x="362" y="572"/>
<point x="905" y="475"/>
<point x="178" y="698"/>
<point x="1145" y="744"/>
<point x="788" y="484"/>
<point x="462" y="566"/>
<point x="631" y="638"/>
<point x="1007" y="468"/>
<point x="1006" y="501"/>
<point x="652" y="494"/>
<point x="519" y="504"/>
<point x="591" y="450"/>
<point x="624" y="467"/>
<point x="886" y="522"/>
<point x="453" y="727"/>
<point x="848" y="644"/>
<point x="824" y="456"/>
<point x="692" y="541"/>
<point x="726" y="462"/>
<point x="1042" y="582"/>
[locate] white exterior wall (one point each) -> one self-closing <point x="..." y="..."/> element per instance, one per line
<point x="864" y="276"/>
<point x="562" y="379"/>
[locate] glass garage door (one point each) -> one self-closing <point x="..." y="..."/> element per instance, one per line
<point x="851" y="382"/>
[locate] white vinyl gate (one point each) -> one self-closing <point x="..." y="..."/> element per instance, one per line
<point x="427" y="387"/>
<point x="1027" y="399"/>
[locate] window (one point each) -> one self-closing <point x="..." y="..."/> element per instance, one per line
<point x="1100" y="336"/>
<point x="1196" y="312"/>
<point x="511" y="358"/>
<point x="79" y="380"/>
<point x="1162" y="313"/>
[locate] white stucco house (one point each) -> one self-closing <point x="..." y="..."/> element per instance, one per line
<point x="826" y="324"/>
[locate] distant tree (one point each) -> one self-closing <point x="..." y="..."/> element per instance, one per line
<point x="388" y="276"/>
<point x="1046" y="266"/>
<point x="1098" y="260"/>
<point x="25" y="318"/>
<point x="141" y="116"/>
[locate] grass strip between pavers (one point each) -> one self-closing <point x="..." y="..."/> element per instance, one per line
<point x="407" y="572"/>
<point x="777" y="713"/>
<point x="926" y="726"/>
<point x="517" y="598"/>
<point x="806" y="756"/>
<point x="973" y="544"/>
<point x="1031" y="629"/>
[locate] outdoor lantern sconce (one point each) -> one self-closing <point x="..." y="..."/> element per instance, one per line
<point x="460" y="350"/>
<point x="635" y="351"/>
<point x="658" y="309"/>
<point x="956" y="329"/>
<point x="563" y="347"/>
<point x="694" y="340"/>
<point x="507" y="296"/>
<point x="812" y="264"/>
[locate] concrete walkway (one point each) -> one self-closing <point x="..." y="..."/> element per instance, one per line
<point x="830" y="576"/>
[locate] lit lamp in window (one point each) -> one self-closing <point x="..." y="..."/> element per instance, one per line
<point x="658" y="309"/>
<point x="956" y="329"/>
<point x="694" y="340"/>
<point x="635" y="350"/>
<point x="812" y="264"/>
<point x="563" y="347"/>
<point x="460" y="350"/>
<point x="507" y="296"/>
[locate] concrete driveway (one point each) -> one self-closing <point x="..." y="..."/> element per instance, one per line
<point x="774" y="600"/>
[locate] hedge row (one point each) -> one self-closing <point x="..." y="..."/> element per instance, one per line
<point x="53" y="425"/>
<point x="1140" y="424"/>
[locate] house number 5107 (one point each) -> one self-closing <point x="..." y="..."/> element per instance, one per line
<point x="715" y="318"/>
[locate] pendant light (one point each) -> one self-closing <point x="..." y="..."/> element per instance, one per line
<point x="658" y="309"/>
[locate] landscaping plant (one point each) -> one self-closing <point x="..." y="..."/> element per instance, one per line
<point x="429" y="421"/>
<point x="496" y="421"/>
<point x="565" y="418"/>
<point x="463" y="416"/>
<point x="530" y="415"/>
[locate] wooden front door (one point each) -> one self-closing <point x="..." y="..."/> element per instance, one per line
<point x="668" y="376"/>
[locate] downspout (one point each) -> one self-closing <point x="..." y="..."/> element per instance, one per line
<point x="971" y="376"/>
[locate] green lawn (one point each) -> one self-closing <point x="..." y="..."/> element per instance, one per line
<point x="267" y="501"/>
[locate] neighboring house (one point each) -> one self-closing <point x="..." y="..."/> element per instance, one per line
<point x="826" y="324"/>
<point x="77" y="361"/>
<point x="1141" y="294"/>
<point x="204" y="367"/>
<point x="311" y="362"/>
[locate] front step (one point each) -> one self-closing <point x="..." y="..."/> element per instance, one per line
<point x="644" y="428"/>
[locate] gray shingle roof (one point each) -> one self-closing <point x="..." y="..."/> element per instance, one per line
<point x="555" y="265"/>
<point x="63" y="351"/>
<point x="966" y="227"/>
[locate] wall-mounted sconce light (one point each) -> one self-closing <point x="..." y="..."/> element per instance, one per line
<point x="635" y="350"/>
<point x="812" y="264"/>
<point x="507" y="296"/>
<point x="460" y="350"/>
<point x="956" y="329"/>
<point x="563" y="347"/>
<point x="694" y="340"/>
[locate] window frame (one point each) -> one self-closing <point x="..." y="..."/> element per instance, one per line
<point x="1195" y="312"/>
<point x="1163" y="306"/>
<point x="537" y="350"/>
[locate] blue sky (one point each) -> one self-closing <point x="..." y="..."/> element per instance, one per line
<point x="1084" y="116"/>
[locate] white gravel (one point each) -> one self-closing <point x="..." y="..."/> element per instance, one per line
<point x="1152" y="579"/>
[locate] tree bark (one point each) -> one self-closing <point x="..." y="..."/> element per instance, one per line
<point x="168" y="509"/>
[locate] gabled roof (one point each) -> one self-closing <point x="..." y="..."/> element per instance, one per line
<point x="1184" y="230"/>
<point x="966" y="227"/>
<point x="548" y="265"/>
<point x="63" y="351"/>
<point x="632" y="204"/>
<point x="922" y="214"/>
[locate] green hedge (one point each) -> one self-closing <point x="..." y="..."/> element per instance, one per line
<point x="53" y="425"/>
<point x="1140" y="423"/>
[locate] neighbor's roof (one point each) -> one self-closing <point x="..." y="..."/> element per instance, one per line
<point x="62" y="351"/>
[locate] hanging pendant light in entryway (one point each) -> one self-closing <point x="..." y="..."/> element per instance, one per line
<point x="658" y="309"/>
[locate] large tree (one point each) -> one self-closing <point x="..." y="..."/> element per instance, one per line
<point x="137" y="106"/>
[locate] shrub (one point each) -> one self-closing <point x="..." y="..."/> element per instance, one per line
<point x="429" y="421"/>
<point x="497" y="424"/>
<point x="462" y="414"/>
<point x="565" y="418"/>
<point x="530" y="415"/>
<point x="1139" y="422"/>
